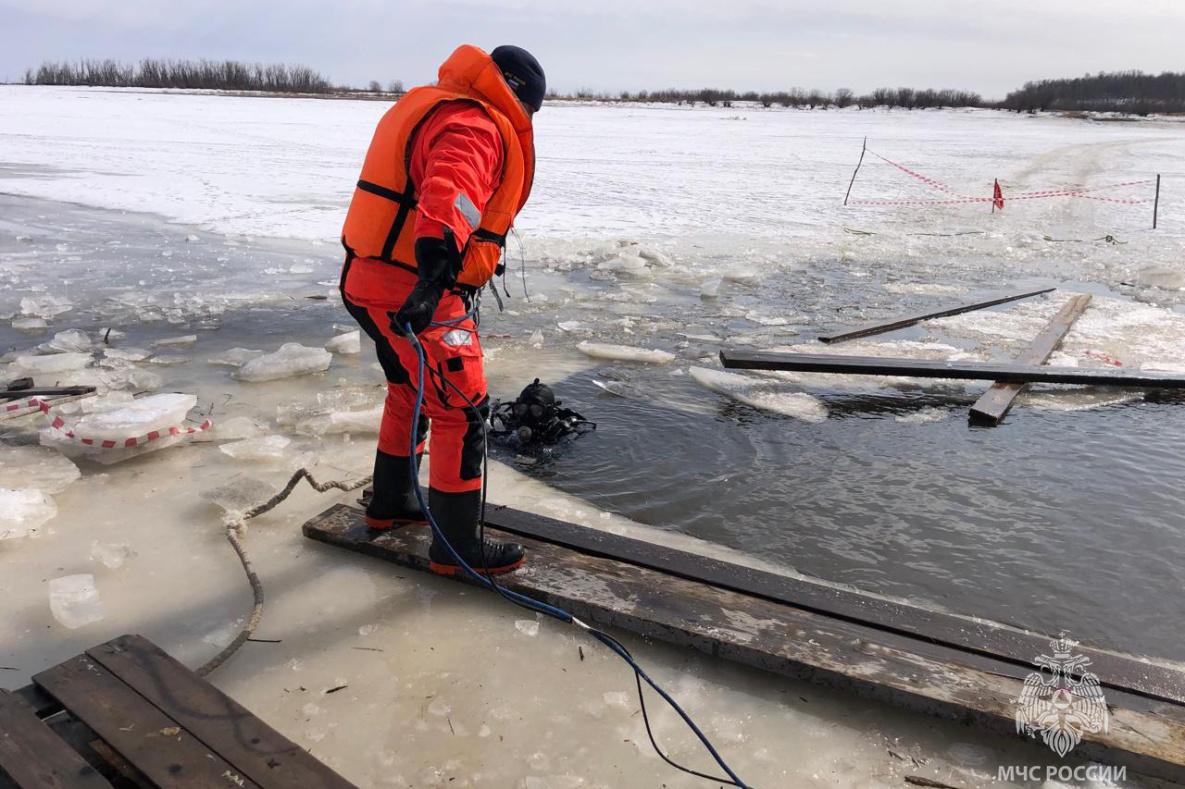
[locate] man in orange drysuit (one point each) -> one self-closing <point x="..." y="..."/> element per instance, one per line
<point x="448" y="169"/>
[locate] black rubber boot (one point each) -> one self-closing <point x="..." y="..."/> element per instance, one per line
<point x="394" y="501"/>
<point x="456" y="514"/>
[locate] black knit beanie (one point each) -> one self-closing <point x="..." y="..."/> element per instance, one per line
<point x="523" y="73"/>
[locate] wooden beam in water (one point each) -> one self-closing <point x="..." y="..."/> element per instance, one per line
<point x="927" y="368"/>
<point x="1145" y="735"/>
<point x="881" y="327"/>
<point x="1115" y="671"/>
<point x="993" y="404"/>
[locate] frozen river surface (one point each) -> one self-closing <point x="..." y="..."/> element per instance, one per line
<point x="658" y="228"/>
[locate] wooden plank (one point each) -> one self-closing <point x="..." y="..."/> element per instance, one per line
<point x="52" y="391"/>
<point x="143" y="735"/>
<point x="33" y="757"/>
<point x="927" y="368"/>
<point x="880" y="327"/>
<point x="993" y="404"/>
<point x="257" y="751"/>
<point x="1146" y="736"/>
<point x="1116" y="672"/>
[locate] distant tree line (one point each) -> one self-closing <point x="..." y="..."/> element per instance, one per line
<point x="908" y="98"/>
<point x="1131" y="92"/>
<point x="193" y="74"/>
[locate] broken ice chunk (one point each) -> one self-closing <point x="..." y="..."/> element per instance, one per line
<point x="127" y="354"/>
<point x="239" y="427"/>
<point x="169" y="359"/>
<point x="292" y="359"/>
<point x="138" y="418"/>
<point x="29" y="324"/>
<point x="23" y="512"/>
<point x="528" y="627"/>
<point x="235" y="357"/>
<point x="74" y="600"/>
<point x="536" y="340"/>
<point x="145" y="381"/>
<point x="762" y="394"/>
<point x="710" y="289"/>
<point x="348" y="343"/>
<point x="48" y="365"/>
<point x="35" y="467"/>
<point x="257" y="449"/>
<point x="71" y="340"/>
<point x="176" y="342"/>
<point x="44" y="307"/>
<point x="624" y="353"/>
<point x="240" y="494"/>
<point x="111" y="554"/>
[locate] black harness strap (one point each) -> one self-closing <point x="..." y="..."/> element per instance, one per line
<point x="406" y="200"/>
<point x="489" y="235"/>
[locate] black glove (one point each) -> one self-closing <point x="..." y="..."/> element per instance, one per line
<point x="437" y="263"/>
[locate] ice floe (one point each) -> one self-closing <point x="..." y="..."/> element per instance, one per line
<point x="74" y="600"/>
<point x="23" y="512"/>
<point x="625" y="353"/>
<point x="765" y="395"/>
<point x="292" y="359"/>
<point x="348" y="343"/>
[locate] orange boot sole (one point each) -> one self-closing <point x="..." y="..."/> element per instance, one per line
<point x="382" y="524"/>
<point x="453" y="569"/>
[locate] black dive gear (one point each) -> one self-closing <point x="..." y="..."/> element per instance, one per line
<point x="536" y="418"/>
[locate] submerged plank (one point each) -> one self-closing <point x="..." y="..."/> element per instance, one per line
<point x="993" y="404"/>
<point x="33" y="757"/>
<point x="881" y="327"/>
<point x="135" y="729"/>
<point x="1146" y="736"/>
<point x="257" y="751"/>
<point x="927" y="368"/>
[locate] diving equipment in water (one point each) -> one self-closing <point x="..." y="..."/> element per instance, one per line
<point x="537" y="418"/>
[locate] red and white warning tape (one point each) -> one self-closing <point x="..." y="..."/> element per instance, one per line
<point x="1084" y="193"/>
<point x="59" y="424"/>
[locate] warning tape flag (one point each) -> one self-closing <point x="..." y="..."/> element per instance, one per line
<point x="57" y="423"/>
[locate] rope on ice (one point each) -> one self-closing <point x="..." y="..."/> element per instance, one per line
<point x="235" y="529"/>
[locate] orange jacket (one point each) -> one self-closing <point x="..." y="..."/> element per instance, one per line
<point x="457" y="154"/>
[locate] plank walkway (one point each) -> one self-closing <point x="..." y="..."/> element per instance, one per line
<point x="148" y="720"/>
<point x="993" y="405"/>
<point x="880" y="327"/>
<point x="927" y="368"/>
<point x="863" y="650"/>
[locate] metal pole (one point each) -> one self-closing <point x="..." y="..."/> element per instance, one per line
<point x="853" y="181"/>
<point x="1156" y="203"/>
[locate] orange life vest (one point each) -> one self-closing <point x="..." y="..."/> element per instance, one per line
<point x="381" y="220"/>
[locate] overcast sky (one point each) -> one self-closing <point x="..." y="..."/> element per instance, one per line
<point x="986" y="45"/>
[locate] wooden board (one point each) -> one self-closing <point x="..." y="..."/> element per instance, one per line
<point x="993" y="404"/>
<point x="165" y="753"/>
<point x="926" y="368"/>
<point x="881" y="327"/>
<point x="1145" y="735"/>
<point x="33" y="757"/>
<point x="255" y="750"/>
<point x="1116" y="672"/>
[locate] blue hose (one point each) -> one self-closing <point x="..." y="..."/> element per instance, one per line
<point x="539" y="605"/>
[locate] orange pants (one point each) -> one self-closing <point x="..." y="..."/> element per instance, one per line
<point x="373" y="292"/>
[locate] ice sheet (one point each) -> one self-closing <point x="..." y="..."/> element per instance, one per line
<point x="36" y="467"/>
<point x="764" y="395"/>
<point x="23" y="512"/>
<point x="623" y="353"/>
<point x="140" y="417"/>
<point x="290" y="360"/>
